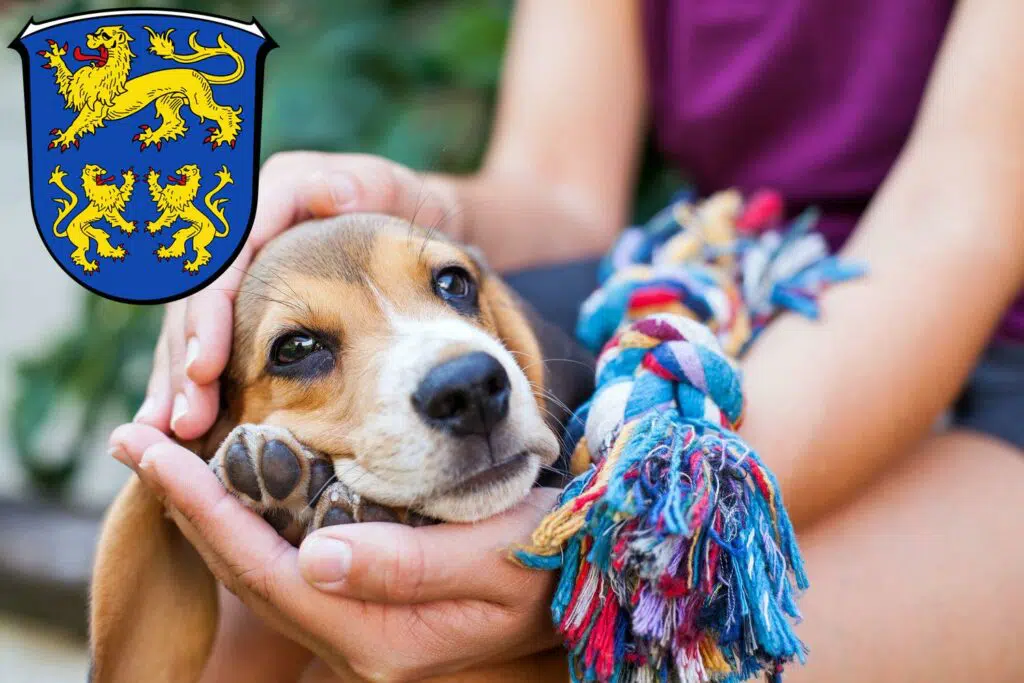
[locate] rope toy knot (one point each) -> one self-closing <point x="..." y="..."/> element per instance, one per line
<point x="678" y="560"/>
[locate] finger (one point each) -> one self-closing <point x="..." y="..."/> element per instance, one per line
<point x="310" y="184"/>
<point x="156" y="408"/>
<point x="382" y="186"/>
<point x="208" y="325"/>
<point x="389" y="563"/>
<point x="209" y="313"/>
<point x="173" y="336"/>
<point x="255" y="558"/>
<point x="242" y="551"/>
<point x="128" y="442"/>
<point x="282" y="200"/>
<point x="195" y="409"/>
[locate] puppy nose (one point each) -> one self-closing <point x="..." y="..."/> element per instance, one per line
<point x="466" y="395"/>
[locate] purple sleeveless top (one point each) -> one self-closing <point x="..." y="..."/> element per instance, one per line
<point x="813" y="98"/>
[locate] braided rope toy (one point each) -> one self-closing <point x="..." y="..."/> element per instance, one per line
<point x="678" y="560"/>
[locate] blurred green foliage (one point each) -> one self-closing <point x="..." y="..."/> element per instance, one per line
<point x="412" y="80"/>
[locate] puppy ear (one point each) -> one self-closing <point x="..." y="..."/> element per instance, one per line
<point x="153" y="612"/>
<point x="548" y="356"/>
<point x="506" y="311"/>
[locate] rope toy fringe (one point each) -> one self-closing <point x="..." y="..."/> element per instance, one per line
<point x="678" y="558"/>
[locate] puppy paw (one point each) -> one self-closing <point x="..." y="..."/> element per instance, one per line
<point x="339" y="505"/>
<point x="273" y="474"/>
<point x="291" y="486"/>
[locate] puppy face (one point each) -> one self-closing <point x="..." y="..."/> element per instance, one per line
<point x="398" y="355"/>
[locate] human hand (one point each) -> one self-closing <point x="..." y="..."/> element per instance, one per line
<point x="195" y="339"/>
<point x="378" y="601"/>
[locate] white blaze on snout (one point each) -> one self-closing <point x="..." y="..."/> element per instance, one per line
<point x="401" y="460"/>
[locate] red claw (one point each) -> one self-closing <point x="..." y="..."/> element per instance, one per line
<point x="136" y="138"/>
<point x="76" y="143"/>
<point x="232" y="143"/>
<point x="142" y="146"/>
<point x="207" y="139"/>
<point x="212" y="129"/>
<point x="53" y="143"/>
<point x="55" y="131"/>
<point x="42" y="53"/>
<point x="158" y="146"/>
<point x="52" y="44"/>
<point x="47" y="66"/>
<point x="144" y="127"/>
<point x="64" y="47"/>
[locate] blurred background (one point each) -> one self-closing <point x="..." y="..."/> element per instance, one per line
<point x="413" y="80"/>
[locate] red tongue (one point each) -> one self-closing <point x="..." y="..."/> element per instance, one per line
<point x="100" y="59"/>
<point x="177" y="179"/>
<point x="100" y="180"/>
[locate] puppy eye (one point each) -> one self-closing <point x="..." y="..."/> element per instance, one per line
<point x="294" y="347"/>
<point x="454" y="282"/>
<point x="301" y="355"/>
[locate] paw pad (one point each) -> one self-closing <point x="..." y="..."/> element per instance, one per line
<point x="293" y="487"/>
<point x="281" y="469"/>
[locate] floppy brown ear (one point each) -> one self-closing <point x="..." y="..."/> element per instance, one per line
<point x="153" y="611"/>
<point x="549" y="357"/>
<point x="508" y="313"/>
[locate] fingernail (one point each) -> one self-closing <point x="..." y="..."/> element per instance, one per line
<point x="148" y="476"/>
<point x="119" y="454"/>
<point x="191" y="352"/>
<point x="325" y="560"/>
<point x="343" y="190"/>
<point x="145" y="411"/>
<point x="180" y="408"/>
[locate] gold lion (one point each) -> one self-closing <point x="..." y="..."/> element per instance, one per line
<point x="106" y="202"/>
<point x="177" y="200"/>
<point x="101" y="90"/>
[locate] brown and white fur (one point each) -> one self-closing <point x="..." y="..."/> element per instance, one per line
<point x="369" y="424"/>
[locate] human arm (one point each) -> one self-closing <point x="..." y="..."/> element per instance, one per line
<point x="831" y="401"/>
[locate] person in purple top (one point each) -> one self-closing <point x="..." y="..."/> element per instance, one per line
<point x="902" y="120"/>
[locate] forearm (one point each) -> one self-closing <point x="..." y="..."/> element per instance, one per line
<point x="557" y="179"/>
<point x="830" y="402"/>
<point x="519" y="221"/>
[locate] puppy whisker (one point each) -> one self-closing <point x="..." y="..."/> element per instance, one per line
<point x="259" y="295"/>
<point x="316" y="496"/>
<point x="249" y="273"/>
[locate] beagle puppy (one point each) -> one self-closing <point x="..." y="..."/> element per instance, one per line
<point x="379" y="372"/>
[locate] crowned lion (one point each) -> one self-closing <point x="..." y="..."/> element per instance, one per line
<point x="106" y="202"/>
<point x="101" y="91"/>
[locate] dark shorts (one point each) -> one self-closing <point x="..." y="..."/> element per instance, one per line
<point x="992" y="401"/>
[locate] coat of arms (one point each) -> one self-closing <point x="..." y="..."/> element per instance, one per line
<point x="143" y="133"/>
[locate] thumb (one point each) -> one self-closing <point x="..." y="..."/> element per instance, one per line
<point x="391" y="563"/>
